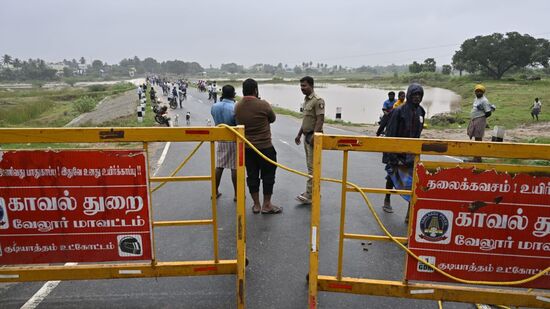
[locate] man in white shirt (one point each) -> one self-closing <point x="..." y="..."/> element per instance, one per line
<point x="481" y="110"/>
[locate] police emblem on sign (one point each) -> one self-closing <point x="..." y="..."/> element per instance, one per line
<point x="4" y="223"/>
<point x="434" y="226"/>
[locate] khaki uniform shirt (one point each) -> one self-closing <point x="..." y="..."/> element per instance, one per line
<point x="313" y="107"/>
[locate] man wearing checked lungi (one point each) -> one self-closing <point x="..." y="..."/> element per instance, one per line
<point x="224" y="112"/>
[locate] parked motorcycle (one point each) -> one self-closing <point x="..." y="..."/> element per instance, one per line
<point x="161" y="115"/>
<point x="173" y="101"/>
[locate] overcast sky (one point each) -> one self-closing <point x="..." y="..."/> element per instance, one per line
<point x="344" y="32"/>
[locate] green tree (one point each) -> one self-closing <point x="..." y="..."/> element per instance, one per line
<point x="458" y="62"/>
<point x="97" y="65"/>
<point x="415" y="67"/>
<point x="67" y="72"/>
<point x="6" y="59"/>
<point x="82" y="60"/>
<point x="231" y="67"/>
<point x="16" y="63"/>
<point x="446" y="69"/>
<point x="496" y="54"/>
<point x="269" y="69"/>
<point x="429" y="65"/>
<point x="150" y="65"/>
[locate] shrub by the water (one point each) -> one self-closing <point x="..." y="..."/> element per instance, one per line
<point x="97" y="87"/>
<point x="84" y="104"/>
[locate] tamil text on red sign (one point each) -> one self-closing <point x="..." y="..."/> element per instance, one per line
<point x="74" y="206"/>
<point x="481" y="225"/>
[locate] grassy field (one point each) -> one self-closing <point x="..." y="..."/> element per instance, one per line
<point x="39" y="107"/>
<point x="512" y="97"/>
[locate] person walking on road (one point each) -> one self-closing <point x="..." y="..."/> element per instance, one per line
<point x="381" y="130"/>
<point x="312" y="121"/>
<point x="224" y="112"/>
<point x="387" y="108"/>
<point x="188" y="118"/>
<point x="214" y="92"/>
<point x="152" y="95"/>
<point x="536" y="108"/>
<point x="257" y="115"/>
<point x="481" y="110"/>
<point x="405" y="121"/>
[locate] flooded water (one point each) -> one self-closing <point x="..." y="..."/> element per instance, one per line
<point x="359" y="104"/>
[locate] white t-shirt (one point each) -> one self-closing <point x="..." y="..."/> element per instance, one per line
<point x="480" y="107"/>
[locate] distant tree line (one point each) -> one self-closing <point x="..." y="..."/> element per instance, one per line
<point x="13" y="69"/>
<point x="151" y="65"/>
<point x="429" y="65"/>
<point x="31" y="69"/>
<point x="490" y="55"/>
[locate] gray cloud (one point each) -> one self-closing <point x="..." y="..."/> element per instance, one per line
<point x="347" y="32"/>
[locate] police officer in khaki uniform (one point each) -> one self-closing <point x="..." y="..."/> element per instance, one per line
<point x="313" y="119"/>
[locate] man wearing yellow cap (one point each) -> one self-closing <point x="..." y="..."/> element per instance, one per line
<point x="481" y="110"/>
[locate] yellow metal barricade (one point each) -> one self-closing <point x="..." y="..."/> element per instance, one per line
<point x="154" y="268"/>
<point x="475" y="292"/>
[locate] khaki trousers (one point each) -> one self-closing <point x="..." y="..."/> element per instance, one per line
<point x="309" y="161"/>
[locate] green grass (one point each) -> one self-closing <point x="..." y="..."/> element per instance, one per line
<point x="516" y="161"/>
<point x="38" y="107"/>
<point x="288" y="112"/>
<point x="513" y="98"/>
<point x="130" y="121"/>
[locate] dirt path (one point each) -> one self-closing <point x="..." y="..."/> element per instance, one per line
<point x="110" y="108"/>
<point x="114" y="107"/>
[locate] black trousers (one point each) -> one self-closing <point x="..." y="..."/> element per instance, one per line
<point x="257" y="168"/>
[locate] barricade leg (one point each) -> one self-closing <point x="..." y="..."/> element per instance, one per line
<point x="241" y="225"/>
<point x="315" y="221"/>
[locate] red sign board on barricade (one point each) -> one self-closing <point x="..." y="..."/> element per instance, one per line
<point x="484" y="226"/>
<point x="74" y="206"/>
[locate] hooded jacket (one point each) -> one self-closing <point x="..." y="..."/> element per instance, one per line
<point x="406" y="121"/>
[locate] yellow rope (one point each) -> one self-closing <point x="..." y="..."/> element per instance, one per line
<point x="383" y="228"/>
<point x="179" y="167"/>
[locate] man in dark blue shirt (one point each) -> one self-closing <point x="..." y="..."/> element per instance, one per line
<point x="387" y="106"/>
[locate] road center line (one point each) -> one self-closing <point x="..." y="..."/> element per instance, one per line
<point x="41" y="294"/>
<point x="162" y="157"/>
